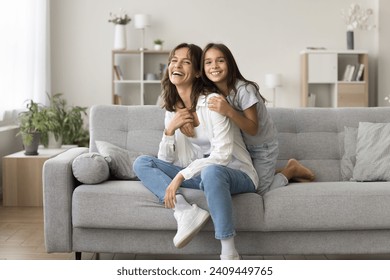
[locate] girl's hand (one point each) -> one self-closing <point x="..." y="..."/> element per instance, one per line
<point x="170" y="192"/>
<point x="188" y="130"/>
<point x="181" y="117"/>
<point x="219" y="105"/>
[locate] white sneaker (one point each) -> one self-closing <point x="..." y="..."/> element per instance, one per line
<point x="189" y="223"/>
<point x="230" y="257"/>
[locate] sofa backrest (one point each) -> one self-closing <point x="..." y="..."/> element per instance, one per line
<point x="314" y="136"/>
<point x="136" y="128"/>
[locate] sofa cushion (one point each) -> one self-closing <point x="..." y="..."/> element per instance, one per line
<point x="129" y="205"/>
<point x="90" y="168"/>
<point x="119" y="160"/>
<point x="328" y="206"/>
<point x="349" y="158"/>
<point x="372" y="152"/>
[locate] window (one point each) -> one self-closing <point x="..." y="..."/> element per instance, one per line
<point x="24" y="53"/>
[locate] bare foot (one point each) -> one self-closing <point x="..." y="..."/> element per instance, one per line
<point x="297" y="172"/>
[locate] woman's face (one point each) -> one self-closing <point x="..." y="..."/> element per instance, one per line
<point x="215" y="66"/>
<point x="181" y="72"/>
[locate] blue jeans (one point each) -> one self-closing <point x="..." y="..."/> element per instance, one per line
<point x="216" y="181"/>
<point x="264" y="159"/>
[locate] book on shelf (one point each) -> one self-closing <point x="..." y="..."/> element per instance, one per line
<point x="311" y="100"/>
<point x="346" y="72"/>
<point x="359" y="75"/>
<point x="118" y="72"/>
<point x="353" y="73"/>
<point x="350" y="73"/>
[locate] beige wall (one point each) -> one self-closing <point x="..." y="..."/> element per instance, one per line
<point x="265" y="36"/>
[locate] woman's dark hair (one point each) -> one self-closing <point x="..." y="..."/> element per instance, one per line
<point x="169" y="94"/>
<point x="234" y="73"/>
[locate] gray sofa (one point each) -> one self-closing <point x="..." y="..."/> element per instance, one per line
<point x="328" y="216"/>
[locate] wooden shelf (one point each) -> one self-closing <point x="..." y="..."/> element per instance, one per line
<point x="135" y="65"/>
<point x="322" y="74"/>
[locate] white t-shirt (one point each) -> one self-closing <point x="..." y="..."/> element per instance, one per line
<point x="246" y="97"/>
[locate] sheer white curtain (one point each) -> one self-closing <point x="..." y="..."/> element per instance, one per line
<point x="24" y="53"/>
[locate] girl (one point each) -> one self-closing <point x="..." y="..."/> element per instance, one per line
<point x="243" y="104"/>
<point x="214" y="160"/>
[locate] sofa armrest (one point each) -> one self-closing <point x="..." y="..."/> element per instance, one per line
<point x="58" y="186"/>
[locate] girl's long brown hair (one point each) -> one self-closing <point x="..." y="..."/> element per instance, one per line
<point x="234" y="73"/>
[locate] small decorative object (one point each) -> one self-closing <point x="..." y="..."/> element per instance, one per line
<point x="273" y="81"/>
<point x="356" y="18"/>
<point x="158" y="44"/>
<point x="141" y="21"/>
<point x="120" y="20"/>
<point x="387" y="98"/>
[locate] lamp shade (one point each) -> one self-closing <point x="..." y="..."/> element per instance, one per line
<point x="141" y="21"/>
<point x="273" y="80"/>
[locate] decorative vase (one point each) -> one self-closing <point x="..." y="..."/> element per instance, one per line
<point x="350" y="40"/>
<point x="120" y="37"/>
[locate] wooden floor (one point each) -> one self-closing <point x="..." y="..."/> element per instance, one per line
<point x="21" y="238"/>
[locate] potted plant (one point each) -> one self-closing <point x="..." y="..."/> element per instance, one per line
<point x="31" y="124"/>
<point x="64" y="124"/>
<point x="158" y="44"/>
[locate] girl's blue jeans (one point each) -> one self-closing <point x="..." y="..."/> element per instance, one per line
<point x="217" y="182"/>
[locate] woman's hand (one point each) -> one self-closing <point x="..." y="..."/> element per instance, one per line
<point x="188" y="130"/>
<point x="170" y="192"/>
<point x="181" y="118"/>
<point x="220" y="105"/>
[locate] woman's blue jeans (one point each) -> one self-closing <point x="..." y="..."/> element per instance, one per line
<point x="216" y="181"/>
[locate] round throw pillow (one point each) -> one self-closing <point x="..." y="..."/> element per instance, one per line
<point x="90" y="168"/>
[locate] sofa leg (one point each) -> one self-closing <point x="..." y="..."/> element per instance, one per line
<point x="77" y="255"/>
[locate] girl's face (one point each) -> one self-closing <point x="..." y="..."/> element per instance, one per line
<point x="215" y="66"/>
<point x="180" y="69"/>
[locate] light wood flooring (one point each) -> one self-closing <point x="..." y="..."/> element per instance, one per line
<point x="21" y="238"/>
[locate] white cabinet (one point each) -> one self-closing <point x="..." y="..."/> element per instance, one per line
<point x="322" y="68"/>
<point x="323" y="81"/>
<point x="136" y="76"/>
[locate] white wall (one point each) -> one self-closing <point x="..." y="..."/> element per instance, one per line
<point x="265" y="36"/>
<point x="384" y="54"/>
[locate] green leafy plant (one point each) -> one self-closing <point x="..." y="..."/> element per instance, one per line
<point x="31" y="122"/>
<point x="65" y="121"/>
<point x="158" y="42"/>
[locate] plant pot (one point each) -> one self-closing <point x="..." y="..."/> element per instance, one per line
<point x="31" y="146"/>
<point x="54" y="143"/>
<point x="157" y="47"/>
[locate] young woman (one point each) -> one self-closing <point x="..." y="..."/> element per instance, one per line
<point x="214" y="160"/>
<point x="243" y="104"/>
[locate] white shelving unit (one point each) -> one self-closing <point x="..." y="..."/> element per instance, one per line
<point x="322" y="79"/>
<point x="142" y="71"/>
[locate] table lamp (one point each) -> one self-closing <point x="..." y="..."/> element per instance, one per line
<point x="273" y="81"/>
<point x="141" y="21"/>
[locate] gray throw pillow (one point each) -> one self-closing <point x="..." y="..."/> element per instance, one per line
<point x="120" y="161"/>
<point x="90" y="168"/>
<point x="372" y="152"/>
<point x="349" y="158"/>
